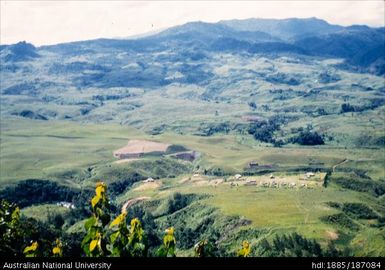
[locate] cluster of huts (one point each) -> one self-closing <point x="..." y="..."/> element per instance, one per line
<point x="272" y="181"/>
<point x="66" y="205"/>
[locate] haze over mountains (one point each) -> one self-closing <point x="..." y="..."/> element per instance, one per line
<point x="206" y="61"/>
<point x="362" y="46"/>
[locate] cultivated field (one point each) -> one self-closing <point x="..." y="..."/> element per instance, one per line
<point x="140" y="147"/>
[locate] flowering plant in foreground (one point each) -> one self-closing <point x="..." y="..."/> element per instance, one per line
<point x="104" y="238"/>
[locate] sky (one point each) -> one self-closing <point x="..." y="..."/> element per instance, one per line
<point x="51" y="22"/>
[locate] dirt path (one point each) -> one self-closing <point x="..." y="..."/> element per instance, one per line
<point x="131" y="202"/>
<point x="302" y="208"/>
<point x="340" y="163"/>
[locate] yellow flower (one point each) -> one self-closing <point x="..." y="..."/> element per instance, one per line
<point x="96" y="242"/>
<point x="135" y="222"/>
<point x="56" y="251"/>
<point x="35" y="245"/>
<point x="32" y="247"/>
<point x="118" y="220"/>
<point x="93" y="245"/>
<point x="245" y="251"/>
<point x="95" y="200"/>
<point x="246" y="244"/>
<point x="136" y="230"/>
<point x="170" y="231"/>
<point x="100" y="189"/>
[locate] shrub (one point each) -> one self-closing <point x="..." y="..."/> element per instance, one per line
<point x="341" y="220"/>
<point x="292" y="245"/>
<point x="360" y="184"/>
<point x="212" y="128"/>
<point x="359" y="210"/>
<point x="334" y="205"/>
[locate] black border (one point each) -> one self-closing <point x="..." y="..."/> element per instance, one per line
<point x="213" y="263"/>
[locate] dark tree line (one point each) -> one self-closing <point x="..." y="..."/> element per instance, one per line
<point x="375" y="188"/>
<point x="374" y="103"/>
<point x="34" y="191"/>
<point x="295" y="245"/>
<point x="308" y="137"/>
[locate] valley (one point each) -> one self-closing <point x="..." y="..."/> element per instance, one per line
<point x="223" y="131"/>
<point x="276" y="196"/>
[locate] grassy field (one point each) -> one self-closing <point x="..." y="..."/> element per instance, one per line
<point x="278" y="210"/>
<point x="56" y="150"/>
<point x="41" y="212"/>
<point x="63" y="150"/>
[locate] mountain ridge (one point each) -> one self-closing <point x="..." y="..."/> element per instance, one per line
<point x="309" y="36"/>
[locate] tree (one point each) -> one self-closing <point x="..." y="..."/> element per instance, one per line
<point x="346" y="107"/>
<point x="307" y="137"/>
<point x="252" y="105"/>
